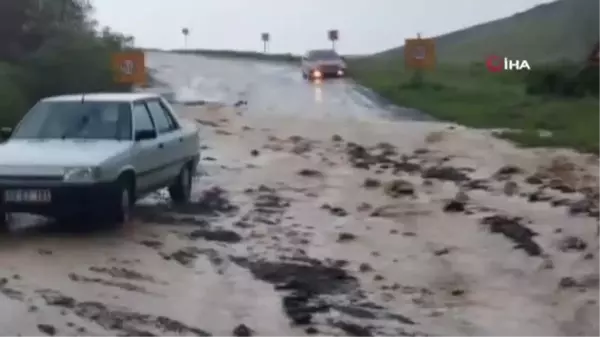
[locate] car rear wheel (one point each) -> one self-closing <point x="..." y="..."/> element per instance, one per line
<point x="181" y="189"/>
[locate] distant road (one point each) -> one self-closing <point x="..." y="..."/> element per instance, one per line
<point x="269" y="87"/>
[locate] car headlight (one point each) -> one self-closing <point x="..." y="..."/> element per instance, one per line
<point x="81" y="174"/>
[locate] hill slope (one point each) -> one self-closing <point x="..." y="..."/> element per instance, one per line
<point x="565" y="29"/>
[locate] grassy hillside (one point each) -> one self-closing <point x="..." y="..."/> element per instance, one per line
<point x="559" y="97"/>
<point x="565" y="29"/>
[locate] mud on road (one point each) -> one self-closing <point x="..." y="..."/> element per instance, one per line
<point x="333" y="229"/>
<point x="325" y="219"/>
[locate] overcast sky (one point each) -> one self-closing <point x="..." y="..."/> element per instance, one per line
<point x="365" y="26"/>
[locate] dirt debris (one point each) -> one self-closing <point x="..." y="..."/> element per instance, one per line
<point x="572" y="243"/>
<point x="301" y="147"/>
<point x="477" y="184"/>
<point x="310" y="173"/>
<point x="506" y="172"/>
<point x="109" y="283"/>
<point x="454" y="206"/>
<point x="447" y="173"/>
<point x="346" y="237"/>
<point x="398" y="188"/>
<point x="363" y="207"/>
<point x="220" y="235"/>
<point x="121" y="272"/>
<point x="242" y="330"/>
<point x="353" y="329"/>
<point x="335" y="210"/>
<point x="213" y="201"/>
<point x="511" y="188"/>
<point x="515" y="230"/>
<point x="304" y="284"/>
<point x="186" y="256"/>
<point x="371" y="183"/>
<point x="47" y="329"/>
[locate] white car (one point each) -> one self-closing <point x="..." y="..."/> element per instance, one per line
<point x="94" y="155"/>
<point x="319" y="64"/>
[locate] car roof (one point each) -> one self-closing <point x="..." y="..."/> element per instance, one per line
<point x="103" y="97"/>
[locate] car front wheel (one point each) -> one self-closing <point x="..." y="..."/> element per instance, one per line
<point x="120" y="207"/>
<point x="181" y="189"/>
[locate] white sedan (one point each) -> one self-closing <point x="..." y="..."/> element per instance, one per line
<point x="94" y="155"/>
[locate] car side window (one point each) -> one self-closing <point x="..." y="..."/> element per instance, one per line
<point x="169" y="115"/>
<point x="162" y="118"/>
<point x="141" y="118"/>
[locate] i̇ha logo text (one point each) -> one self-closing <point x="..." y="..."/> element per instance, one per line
<point x="496" y="64"/>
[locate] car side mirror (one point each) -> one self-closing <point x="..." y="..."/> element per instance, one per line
<point x="5" y="132"/>
<point x="144" y="135"/>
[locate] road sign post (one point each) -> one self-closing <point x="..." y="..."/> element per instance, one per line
<point x="333" y="36"/>
<point x="265" y="37"/>
<point x="419" y="53"/>
<point x="129" y="67"/>
<point x="419" y="56"/>
<point x="186" y="33"/>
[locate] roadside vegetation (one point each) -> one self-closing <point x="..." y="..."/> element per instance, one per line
<point x="49" y="48"/>
<point x="556" y="104"/>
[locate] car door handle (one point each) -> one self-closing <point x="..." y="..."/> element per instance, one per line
<point x="181" y="139"/>
<point x="161" y="145"/>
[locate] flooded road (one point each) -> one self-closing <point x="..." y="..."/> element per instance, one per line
<point x="270" y="89"/>
<point x="329" y="214"/>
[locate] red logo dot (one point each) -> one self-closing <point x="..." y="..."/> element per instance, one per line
<point x="494" y="63"/>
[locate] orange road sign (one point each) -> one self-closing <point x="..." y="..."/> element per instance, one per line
<point x="129" y="67"/>
<point x="595" y="55"/>
<point x="419" y="53"/>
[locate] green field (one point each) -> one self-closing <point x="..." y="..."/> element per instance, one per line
<point x="555" y="38"/>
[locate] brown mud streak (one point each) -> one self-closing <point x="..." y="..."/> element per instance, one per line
<point x="305" y="282"/>
<point x="126" y="322"/>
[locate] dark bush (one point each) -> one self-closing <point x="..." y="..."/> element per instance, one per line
<point x="50" y="48"/>
<point x="564" y="80"/>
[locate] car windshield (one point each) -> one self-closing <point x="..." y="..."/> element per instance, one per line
<point x="76" y="120"/>
<point x="324" y="55"/>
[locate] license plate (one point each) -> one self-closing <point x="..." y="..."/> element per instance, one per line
<point x="33" y="196"/>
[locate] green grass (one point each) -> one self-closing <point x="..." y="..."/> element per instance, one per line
<point x="459" y="91"/>
<point x="471" y="96"/>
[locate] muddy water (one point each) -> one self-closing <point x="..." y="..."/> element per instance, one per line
<point x="323" y="216"/>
